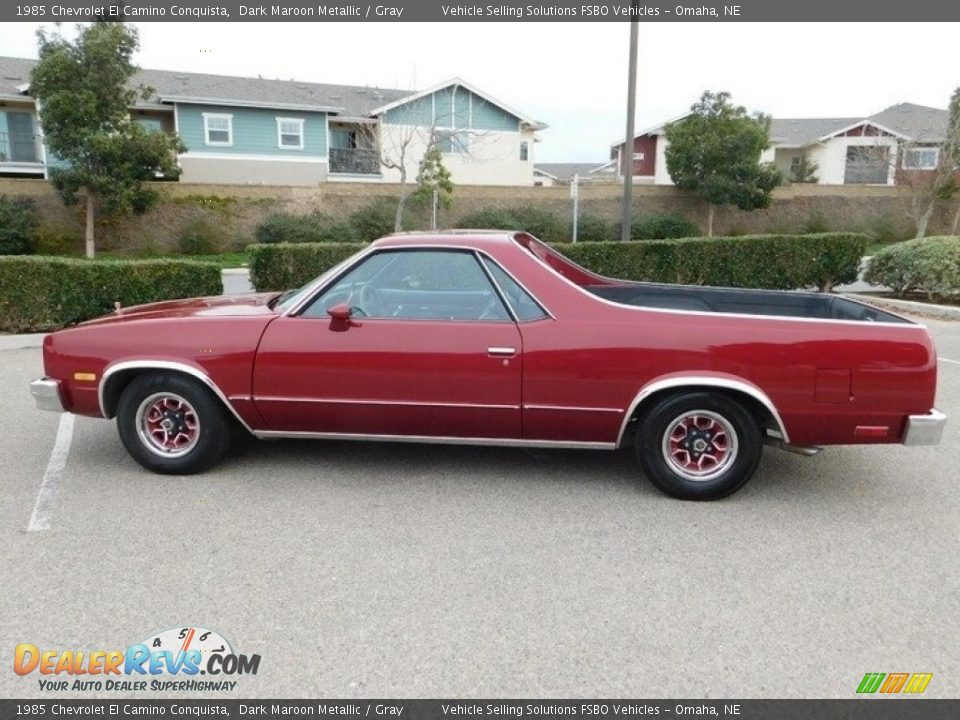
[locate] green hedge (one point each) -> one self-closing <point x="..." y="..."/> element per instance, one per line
<point x="779" y="262"/>
<point x="44" y="293"/>
<point x="930" y="266"/>
<point x="783" y="262"/>
<point x="288" y="265"/>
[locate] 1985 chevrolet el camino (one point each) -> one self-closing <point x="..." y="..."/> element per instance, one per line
<point x="494" y="338"/>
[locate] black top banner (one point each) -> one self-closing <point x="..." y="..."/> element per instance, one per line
<point x="854" y="11"/>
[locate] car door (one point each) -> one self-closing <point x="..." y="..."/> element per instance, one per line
<point x="421" y="345"/>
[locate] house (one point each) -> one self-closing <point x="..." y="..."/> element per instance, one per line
<point x="550" y="174"/>
<point x="283" y="132"/>
<point x="869" y="150"/>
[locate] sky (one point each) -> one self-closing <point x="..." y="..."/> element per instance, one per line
<point x="573" y="76"/>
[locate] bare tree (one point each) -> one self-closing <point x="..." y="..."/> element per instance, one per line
<point x="927" y="169"/>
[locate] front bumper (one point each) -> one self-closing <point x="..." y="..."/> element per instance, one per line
<point x="46" y="392"/>
<point x="924" y="429"/>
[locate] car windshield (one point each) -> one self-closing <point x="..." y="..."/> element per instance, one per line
<point x="285" y="300"/>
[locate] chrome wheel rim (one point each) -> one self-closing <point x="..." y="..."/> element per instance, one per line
<point x="699" y="445"/>
<point x="167" y="425"/>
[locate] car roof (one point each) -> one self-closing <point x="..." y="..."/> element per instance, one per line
<point x="453" y="238"/>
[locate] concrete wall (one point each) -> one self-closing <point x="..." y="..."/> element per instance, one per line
<point x="251" y="171"/>
<point x="235" y="210"/>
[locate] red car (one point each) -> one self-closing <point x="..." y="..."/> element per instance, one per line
<point x="479" y="337"/>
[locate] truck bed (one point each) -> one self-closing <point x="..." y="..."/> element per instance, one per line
<point x="744" y="302"/>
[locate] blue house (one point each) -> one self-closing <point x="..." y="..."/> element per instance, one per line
<point x="284" y="132"/>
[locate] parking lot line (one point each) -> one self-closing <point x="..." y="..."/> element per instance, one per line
<point x="47" y="495"/>
<point x="948" y="360"/>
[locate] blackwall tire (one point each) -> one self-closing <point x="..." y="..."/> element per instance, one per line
<point x="698" y="445"/>
<point x="172" y="424"/>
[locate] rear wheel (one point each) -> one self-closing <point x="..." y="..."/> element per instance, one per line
<point x="172" y="424"/>
<point x="698" y="446"/>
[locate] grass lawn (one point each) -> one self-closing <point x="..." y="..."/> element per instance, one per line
<point x="224" y="260"/>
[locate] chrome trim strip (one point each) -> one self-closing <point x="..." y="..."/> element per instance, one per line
<point x="572" y="408"/>
<point x="438" y="440"/>
<point x="333" y="274"/>
<point x="46" y="393"/>
<point x="911" y="325"/>
<point x="350" y="401"/>
<point x="693" y="380"/>
<point x="496" y="287"/>
<point x="924" y="429"/>
<point x="164" y="365"/>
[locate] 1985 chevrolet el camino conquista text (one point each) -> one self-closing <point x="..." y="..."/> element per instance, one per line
<point x="480" y="337"/>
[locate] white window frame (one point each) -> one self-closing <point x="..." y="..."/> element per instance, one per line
<point x="280" y="134"/>
<point x="923" y="149"/>
<point x="207" y="117"/>
<point x="638" y="156"/>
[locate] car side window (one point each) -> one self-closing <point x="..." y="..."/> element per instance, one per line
<point x="525" y="307"/>
<point x="415" y="285"/>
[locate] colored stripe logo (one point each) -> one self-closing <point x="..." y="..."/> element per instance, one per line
<point x="894" y="683"/>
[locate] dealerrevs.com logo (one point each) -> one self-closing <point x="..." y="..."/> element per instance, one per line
<point x="168" y="661"/>
<point x="894" y="683"/>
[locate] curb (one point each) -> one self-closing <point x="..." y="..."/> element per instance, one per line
<point x="235" y="271"/>
<point x="939" y="312"/>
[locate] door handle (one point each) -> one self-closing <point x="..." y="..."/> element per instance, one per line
<point x="502" y="351"/>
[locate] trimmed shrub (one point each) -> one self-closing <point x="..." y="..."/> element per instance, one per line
<point x="287" y="265"/>
<point x="44" y="293"/>
<point x="776" y="262"/>
<point x="593" y="228"/>
<point x="292" y="228"/>
<point x="930" y="266"/>
<point x="543" y="224"/>
<point x="784" y="262"/>
<point x="18" y="221"/>
<point x="659" y="226"/>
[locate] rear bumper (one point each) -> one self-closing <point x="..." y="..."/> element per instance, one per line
<point x="46" y="393"/>
<point x="924" y="429"/>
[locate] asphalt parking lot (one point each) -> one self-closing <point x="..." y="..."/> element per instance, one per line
<point x="377" y="570"/>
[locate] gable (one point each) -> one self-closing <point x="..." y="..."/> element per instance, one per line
<point x="453" y="106"/>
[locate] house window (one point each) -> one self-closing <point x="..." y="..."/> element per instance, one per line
<point x="290" y="133"/>
<point x="343" y="140"/>
<point x="524" y="151"/>
<point x="218" y="129"/>
<point x="638" y="156"/>
<point x="453" y="141"/>
<point x="921" y="158"/>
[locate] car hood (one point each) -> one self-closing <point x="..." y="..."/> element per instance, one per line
<point x="219" y="306"/>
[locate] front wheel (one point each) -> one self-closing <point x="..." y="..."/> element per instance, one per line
<point x="172" y="424"/>
<point x="698" y="446"/>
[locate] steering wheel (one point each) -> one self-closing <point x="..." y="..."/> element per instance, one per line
<point x="369" y="301"/>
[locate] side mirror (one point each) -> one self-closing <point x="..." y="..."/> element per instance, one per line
<point x="340" y="313"/>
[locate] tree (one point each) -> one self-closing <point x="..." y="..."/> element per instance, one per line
<point x="925" y="187"/>
<point x="804" y="171"/>
<point x="715" y="151"/>
<point x="433" y="180"/>
<point x="84" y="93"/>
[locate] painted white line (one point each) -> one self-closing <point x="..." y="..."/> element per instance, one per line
<point x="47" y="496"/>
<point x="955" y="362"/>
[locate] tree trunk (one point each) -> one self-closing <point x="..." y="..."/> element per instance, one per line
<point x="398" y="218"/>
<point x="955" y="229"/>
<point x="91" y="210"/>
<point x="923" y="219"/>
<point x="710" y="220"/>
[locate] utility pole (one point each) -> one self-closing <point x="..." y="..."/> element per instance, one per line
<point x="628" y="142"/>
<point x="575" y="194"/>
